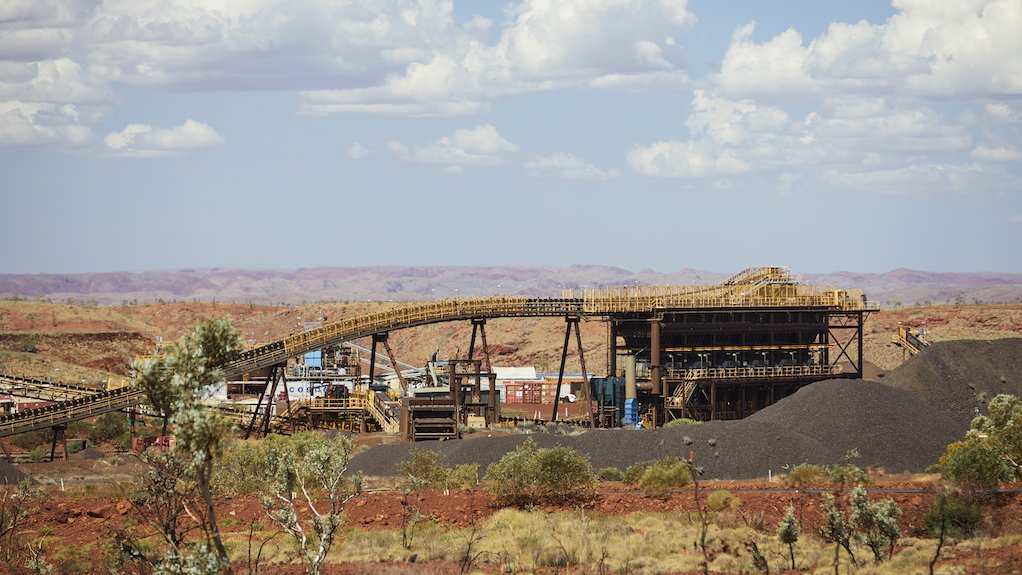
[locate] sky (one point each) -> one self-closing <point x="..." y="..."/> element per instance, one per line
<point x="665" y="134"/>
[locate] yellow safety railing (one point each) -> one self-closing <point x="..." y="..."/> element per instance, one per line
<point x="358" y="401"/>
<point x="754" y="288"/>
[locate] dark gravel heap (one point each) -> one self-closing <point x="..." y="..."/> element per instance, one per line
<point x="958" y="377"/>
<point x="904" y="427"/>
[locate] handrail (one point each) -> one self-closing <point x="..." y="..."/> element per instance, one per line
<point x="769" y="287"/>
<point x="751" y="372"/>
<point x="68" y="411"/>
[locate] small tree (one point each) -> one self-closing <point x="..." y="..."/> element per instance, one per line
<point x="1002" y="429"/>
<point x="788" y="532"/>
<point x="877" y="523"/>
<point x="177" y="385"/>
<point x="304" y="466"/>
<point x="975" y="466"/>
<point x="837" y="529"/>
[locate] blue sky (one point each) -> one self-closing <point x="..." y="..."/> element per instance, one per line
<point x="664" y="134"/>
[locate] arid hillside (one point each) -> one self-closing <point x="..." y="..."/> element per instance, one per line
<point x="66" y="342"/>
<point x="280" y="287"/>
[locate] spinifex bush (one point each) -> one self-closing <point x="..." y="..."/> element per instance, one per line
<point x="665" y="475"/>
<point x="424" y="471"/>
<point x="529" y="476"/>
<point x="806" y="474"/>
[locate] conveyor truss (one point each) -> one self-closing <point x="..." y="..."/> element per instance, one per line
<point x="771" y="287"/>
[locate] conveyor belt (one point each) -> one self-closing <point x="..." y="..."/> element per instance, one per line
<point x="71" y="410"/>
<point x="752" y="288"/>
<point x="43" y="390"/>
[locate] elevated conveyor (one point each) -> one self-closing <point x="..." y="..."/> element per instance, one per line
<point x="43" y="390"/>
<point x="755" y="288"/>
<point x="71" y="410"/>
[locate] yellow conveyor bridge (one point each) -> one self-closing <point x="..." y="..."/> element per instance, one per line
<point x="767" y="288"/>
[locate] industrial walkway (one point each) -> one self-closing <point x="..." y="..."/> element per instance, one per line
<point x="769" y="287"/>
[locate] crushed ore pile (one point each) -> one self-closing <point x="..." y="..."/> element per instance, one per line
<point x="903" y="424"/>
<point x="959" y="377"/>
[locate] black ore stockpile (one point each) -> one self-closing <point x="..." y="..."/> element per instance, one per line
<point x="903" y="424"/>
<point x="958" y="377"/>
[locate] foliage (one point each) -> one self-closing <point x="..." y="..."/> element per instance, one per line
<point x="1002" y="429"/>
<point x="298" y="469"/>
<point x="610" y="474"/>
<point x="959" y="518"/>
<point x="837" y="528"/>
<point x="33" y="439"/>
<point x="197" y="559"/>
<point x="176" y="384"/>
<point x="665" y="475"/>
<point x="635" y="471"/>
<point x="108" y="427"/>
<point x="788" y="532"/>
<point x="876" y="523"/>
<point x="424" y="471"/>
<point x="234" y="473"/>
<point x="39" y="454"/>
<point x="681" y="421"/>
<point x="975" y="464"/>
<point x="12" y="512"/>
<point x="848" y="474"/>
<point x="723" y="499"/>
<point x="805" y="474"/>
<point x="528" y="476"/>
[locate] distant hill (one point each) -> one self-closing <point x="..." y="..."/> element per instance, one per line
<point x="272" y="286"/>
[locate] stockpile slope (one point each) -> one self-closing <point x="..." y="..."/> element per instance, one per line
<point x="891" y="428"/>
<point x="958" y="377"/>
<point x="903" y="424"/>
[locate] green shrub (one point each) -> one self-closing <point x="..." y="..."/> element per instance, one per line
<point x="563" y="474"/>
<point x="723" y="499"/>
<point x="635" y="471"/>
<point x="529" y="476"/>
<point x="32" y="439"/>
<point x="961" y="518"/>
<point x="663" y="475"/>
<point x="424" y="471"/>
<point x="975" y="464"/>
<point x="610" y="474"/>
<point x="848" y="474"/>
<point x="681" y="421"/>
<point x="39" y="454"/>
<point x="109" y="427"/>
<point x="806" y="474"/>
<point x="240" y="468"/>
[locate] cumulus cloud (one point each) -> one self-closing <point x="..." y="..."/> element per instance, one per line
<point x="481" y="145"/>
<point x="935" y="49"/>
<point x="569" y="167"/>
<point x="546" y="45"/>
<point x="145" y="141"/>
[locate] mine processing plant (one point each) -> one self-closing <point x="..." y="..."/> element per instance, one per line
<point x="703" y="352"/>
